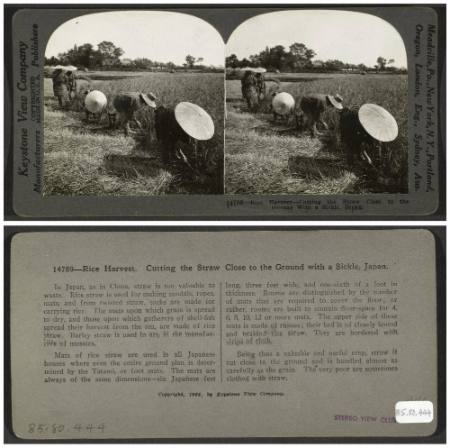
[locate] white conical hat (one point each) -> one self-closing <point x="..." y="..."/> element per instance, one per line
<point x="378" y="122"/>
<point x="253" y="69"/>
<point x="194" y="120"/>
<point x="95" y="101"/>
<point x="283" y="103"/>
<point x="66" y="68"/>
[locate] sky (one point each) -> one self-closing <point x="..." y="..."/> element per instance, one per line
<point x="351" y="37"/>
<point x="156" y="35"/>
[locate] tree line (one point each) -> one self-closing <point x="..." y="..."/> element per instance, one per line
<point x="300" y="58"/>
<point x="107" y="54"/>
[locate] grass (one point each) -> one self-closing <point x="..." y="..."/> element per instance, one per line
<point x="77" y="155"/>
<point x="261" y="158"/>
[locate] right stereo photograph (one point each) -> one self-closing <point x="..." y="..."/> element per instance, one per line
<point x="316" y="103"/>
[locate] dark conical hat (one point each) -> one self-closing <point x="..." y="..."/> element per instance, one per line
<point x="194" y="120"/>
<point x="378" y="122"/>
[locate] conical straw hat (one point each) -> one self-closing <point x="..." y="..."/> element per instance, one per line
<point x="194" y="120"/>
<point x="149" y="99"/>
<point x="336" y="101"/>
<point x="283" y="103"/>
<point x="66" y="68"/>
<point x="95" y="101"/>
<point x="253" y="69"/>
<point x="378" y="122"/>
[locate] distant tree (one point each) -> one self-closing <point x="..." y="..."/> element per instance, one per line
<point x="232" y="61"/>
<point x="109" y="54"/>
<point x="52" y="61"/>
<point x="256" y="60"/>
<point x="381" y="62"/>
<point x="190" y="61"/>
<point x="83" y="55"/>
<point x="334" y="65"/>
<point x="300" y="55"/>
<point x="278" y="58"/>
<point x="143" y="63"/>
<point x="363" y="67"/>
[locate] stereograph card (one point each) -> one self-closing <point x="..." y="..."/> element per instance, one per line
<point x="226" y="112"/>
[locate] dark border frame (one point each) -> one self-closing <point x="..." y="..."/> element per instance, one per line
<point x="10" y="214"/>
<point x="439" y="436"/>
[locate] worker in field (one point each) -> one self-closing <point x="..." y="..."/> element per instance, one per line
<point x="250" y="90"/>
<point x="82" y="88"/>
<point x="125" y="105"/>
<point x="260" y="84"/>
<point x="310" y="108"/>
<point x="71" y="84"/>
<point x="282" y="106"/>
<point x="363" y="131"/>
<point x="253" y="86"/>
<point x="184" y="126"/>
<point x="95" y="104"/>
<point x="60" y="87"/>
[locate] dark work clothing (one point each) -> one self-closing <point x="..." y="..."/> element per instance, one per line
<point x="353" y="136"/>
<point x="313" y="106"/>
<point x="71" y="83"/>
<point x="249" y="79"/>
<point x="126" y="105"/>
<point x="168" y="132"/>
<point x="250" y="92"/>
<point x="260" y="84"/>
<point x="60" y="88"/>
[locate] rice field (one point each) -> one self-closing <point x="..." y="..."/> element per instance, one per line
<point x="89" y="158"/>
<point x="260" y="157"/>
<point x="266" y="158"/>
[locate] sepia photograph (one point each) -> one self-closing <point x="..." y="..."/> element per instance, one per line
<point x="134" y="106"/>
<point x="316" y="104"/>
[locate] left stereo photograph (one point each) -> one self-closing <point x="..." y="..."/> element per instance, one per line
<point x="133" y="106"/>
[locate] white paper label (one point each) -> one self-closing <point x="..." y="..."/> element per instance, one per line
<point x="414" y="412"/>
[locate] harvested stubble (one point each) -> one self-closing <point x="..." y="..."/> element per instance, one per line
<point x="131" y="165"/>
<point x="320" y="167"/>
<point x="75" y="161"/>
